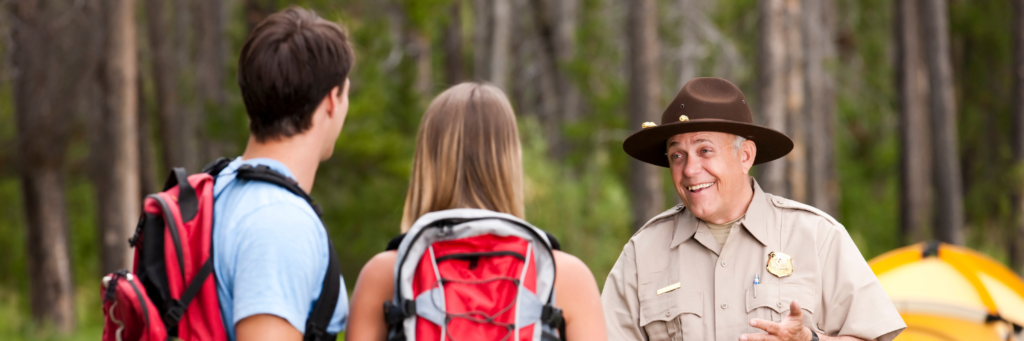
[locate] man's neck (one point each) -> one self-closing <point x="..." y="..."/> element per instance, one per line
<point x="299" y="153"/>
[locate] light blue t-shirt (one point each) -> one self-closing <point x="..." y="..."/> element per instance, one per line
<point x="270" y="251"/>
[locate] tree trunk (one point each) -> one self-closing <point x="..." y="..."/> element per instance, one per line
<point x="50" y="56"/>
<point x="492" y="39"/>
<point x="211" y="44"/>
<point x="420" y="51"/>
<point x="642" y="31"/>
<point x="949" y="210"/>
<point x="147" y="174"/>
<point x="819" y="49"/>
<point x="453" y="58"/>
<point x="1017" y="32"/>
<point x="915" y="132"/>
<point x="501" y="20"/>
<point x="772" y="87"/>
<point x="483" y="19"/>
<point x="115" y="163"/>
<point x="555" y="27"/>
<point x="795" y="98"/>
<point x="175" y="130"/>
<point x="691" y="50"/>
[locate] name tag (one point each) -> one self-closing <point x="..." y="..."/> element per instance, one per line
<point x="669" y="288"/>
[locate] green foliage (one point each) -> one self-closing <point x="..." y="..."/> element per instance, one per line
<point x="983" y="87"/>
<point x="867" y="145"/>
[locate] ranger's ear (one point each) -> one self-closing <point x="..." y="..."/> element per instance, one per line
<point x="748" y="153"/>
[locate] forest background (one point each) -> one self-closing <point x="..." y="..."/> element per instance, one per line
<point x="906" y="115"/>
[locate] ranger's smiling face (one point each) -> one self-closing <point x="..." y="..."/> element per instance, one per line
<point x="709" y="171"/>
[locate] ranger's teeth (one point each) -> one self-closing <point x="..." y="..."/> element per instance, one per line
<point x="703" y="186"/>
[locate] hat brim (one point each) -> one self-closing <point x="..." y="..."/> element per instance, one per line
<point x="648" y="145"/>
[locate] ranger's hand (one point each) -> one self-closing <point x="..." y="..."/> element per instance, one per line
<point x="790" y="329"/>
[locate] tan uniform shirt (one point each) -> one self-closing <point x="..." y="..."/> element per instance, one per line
<point x="715" y="299"/>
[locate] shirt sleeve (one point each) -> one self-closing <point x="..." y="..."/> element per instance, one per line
<point x="853" y="302"/>
<point x="620" y="300"/>
<point x="279" y="266"/>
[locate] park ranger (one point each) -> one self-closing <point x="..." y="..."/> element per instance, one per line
<point x="733" y="262"/>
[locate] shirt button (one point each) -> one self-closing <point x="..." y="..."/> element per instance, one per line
<point x="724" y="263"/>
<point x="725" y="306"/>
<point x="668" y="313"/>
<point x="778" y="304"/>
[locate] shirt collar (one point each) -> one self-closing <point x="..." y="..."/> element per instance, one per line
<point x="755" y="221"/>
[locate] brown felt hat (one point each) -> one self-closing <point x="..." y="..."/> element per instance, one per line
<point x="706" y="104"/>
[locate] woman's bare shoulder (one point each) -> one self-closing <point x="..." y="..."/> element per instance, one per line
<point x="570" y="266"/>
<point x="379" y="268"/>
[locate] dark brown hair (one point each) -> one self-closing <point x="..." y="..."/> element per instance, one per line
<point x="289" y="62"/>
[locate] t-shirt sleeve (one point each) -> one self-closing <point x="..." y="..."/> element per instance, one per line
<point x="279" y="264"/>
<point x="854" y="303"/>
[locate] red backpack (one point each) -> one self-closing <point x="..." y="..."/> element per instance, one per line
<point x="470" y="274"/>
<point x="170" y="292"/>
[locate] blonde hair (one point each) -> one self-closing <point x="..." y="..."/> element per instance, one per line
<point x="467" y="155"/>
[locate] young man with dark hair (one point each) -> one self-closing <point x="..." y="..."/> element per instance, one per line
<point x="272" y="250"/>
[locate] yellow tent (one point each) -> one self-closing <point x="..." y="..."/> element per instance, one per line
<point x="951" y="293"/>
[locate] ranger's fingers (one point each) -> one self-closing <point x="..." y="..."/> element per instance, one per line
<point x="768" y="326"/>
<point x="758" y="337"/>
<point x="795" y="312"/>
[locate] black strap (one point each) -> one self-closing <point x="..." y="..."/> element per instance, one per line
<point x="188" y="203"/>
<point x="553" y="317"/>
<point x="320" y="317"/>
<point x="176" y="309"/>
<point x="555" y="245"/>
<point x="265" y="174"/>
<point x="395" y="243"/>
<point x="214" y="168"/>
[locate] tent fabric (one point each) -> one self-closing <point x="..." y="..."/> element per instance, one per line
<point x="946" y="292"/>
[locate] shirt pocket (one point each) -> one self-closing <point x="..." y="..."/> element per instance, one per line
<point x="772" y="304"/>
<point x="675" y="316"/>
<point x="804" y="295"/>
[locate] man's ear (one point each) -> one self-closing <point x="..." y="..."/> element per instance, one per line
<point x="748" y="154"/>
<point x="333" y="100"/>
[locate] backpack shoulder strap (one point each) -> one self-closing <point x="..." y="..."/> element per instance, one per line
<point x="214" y="168"/>
<point x="555" y="245"/>
<point x="395" y="243"/>
<point x="320" y="317"/>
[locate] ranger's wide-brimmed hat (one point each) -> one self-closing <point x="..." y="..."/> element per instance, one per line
<point x="706" y="104"/>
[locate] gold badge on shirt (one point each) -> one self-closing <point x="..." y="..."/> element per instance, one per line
<point x="780" y="264"/>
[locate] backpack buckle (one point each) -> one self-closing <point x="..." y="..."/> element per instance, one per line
<point x="552" y="316"/>
<point x="395" y="313"/>
<point x="175" y="311"/>
<point x="315" y="332"/>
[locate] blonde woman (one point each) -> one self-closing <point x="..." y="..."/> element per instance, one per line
<point x="468" y="156"/>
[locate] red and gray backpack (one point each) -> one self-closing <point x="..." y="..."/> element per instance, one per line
<point x="170" y="293"/>
<point x="469" y="274"/>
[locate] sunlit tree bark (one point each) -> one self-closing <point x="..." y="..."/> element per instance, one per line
<point x="114" y="151"/>
<point x="819" y="84"/>
<point x="645" y="183"/>
<point x="949" y="209"/>
<point x="915" y="137"/>
<point x="51" y="65"/>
